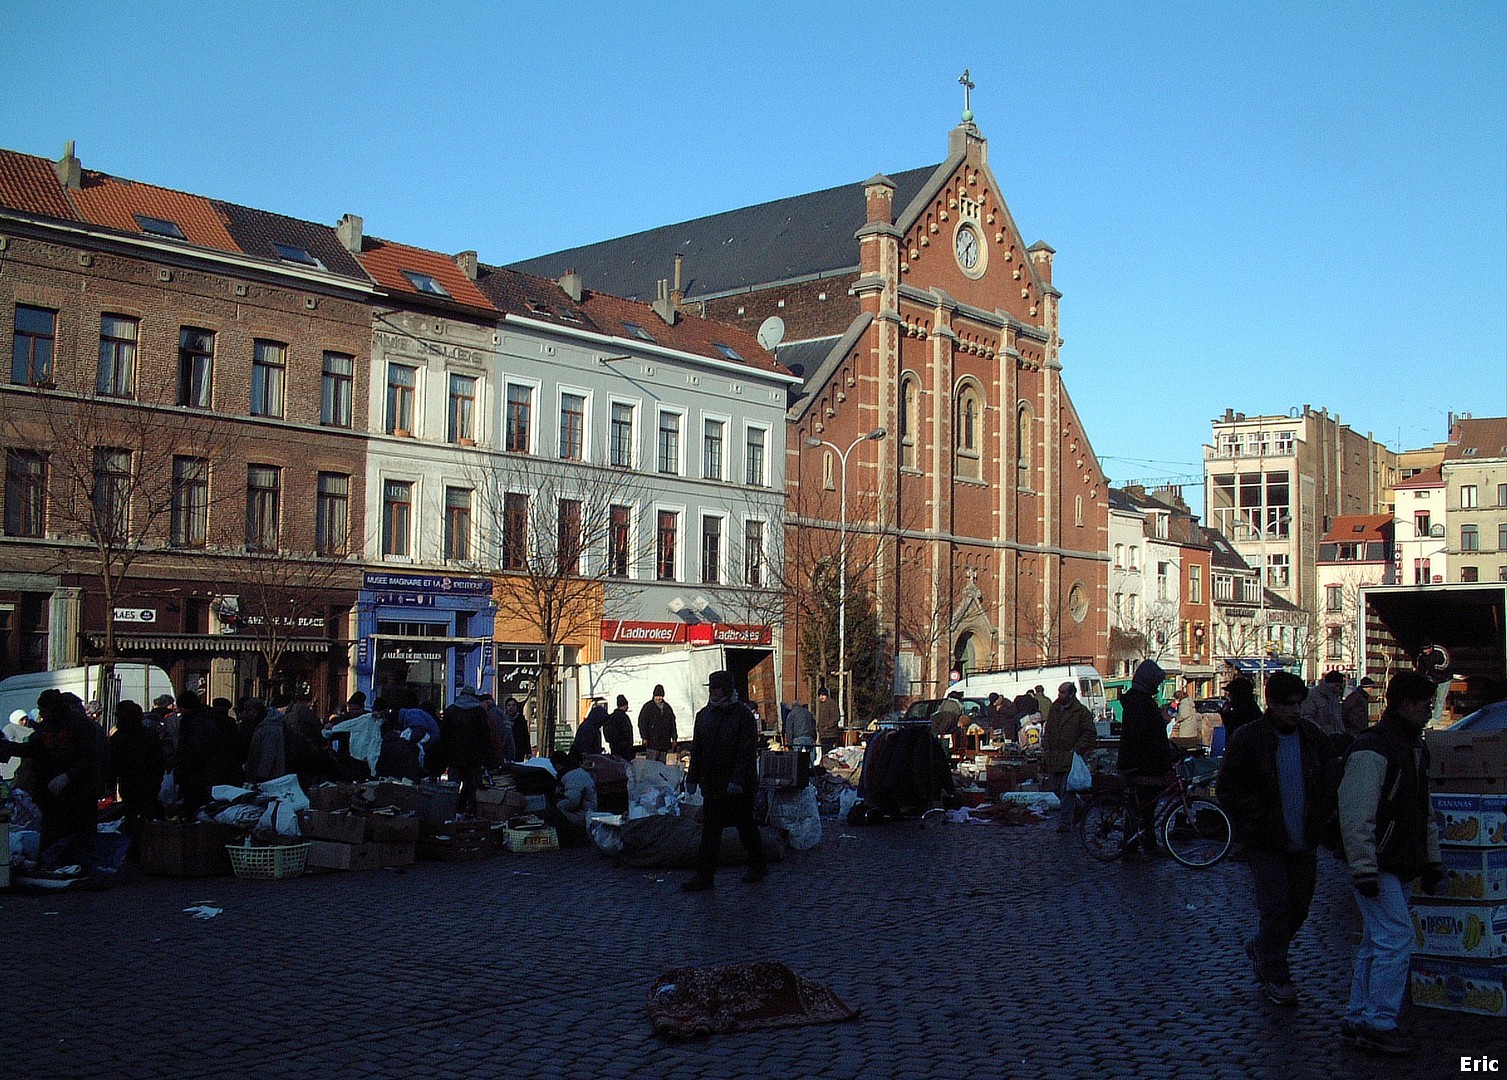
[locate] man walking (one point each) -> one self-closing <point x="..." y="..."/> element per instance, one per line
<point x="724" y="764"/>
<point x="1069" y="730"/>
<point x="1390" y="838"/>
<point x="1275" y="782"/>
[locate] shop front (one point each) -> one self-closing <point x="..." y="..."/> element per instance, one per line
<point x="426" y="634"/>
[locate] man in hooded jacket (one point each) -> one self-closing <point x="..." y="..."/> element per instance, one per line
<point x="1146" y="754"/>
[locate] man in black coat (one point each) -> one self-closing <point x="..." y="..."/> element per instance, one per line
<point x="619" y="731"/>
<point x="198" y="752"/>
<point x="656" y="725"/>
<point x="1146" y="754"/>
<point x="724" y="764"/>
<point x="1277" y="783"/>
<point x="466" y="739"/>
<point x="63" y="772"/>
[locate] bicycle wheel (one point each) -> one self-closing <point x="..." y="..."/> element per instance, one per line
<point x="1198" y="834"/>
<point x="1102" y="829"/>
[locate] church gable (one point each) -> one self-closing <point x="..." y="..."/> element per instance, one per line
<point x="959" y="236"/>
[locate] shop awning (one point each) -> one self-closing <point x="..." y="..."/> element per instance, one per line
<point x="216" y="643"/>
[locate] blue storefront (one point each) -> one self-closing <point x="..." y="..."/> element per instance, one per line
<point x="429" y="633"/>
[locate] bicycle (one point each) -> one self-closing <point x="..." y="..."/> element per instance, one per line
<point x="1192" y="828"/>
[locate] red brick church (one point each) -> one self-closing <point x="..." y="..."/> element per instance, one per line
<point x="977" y="523"/>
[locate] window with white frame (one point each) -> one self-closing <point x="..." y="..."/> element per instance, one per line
<point x="457" y="524"/>
<point x="515" y="531"/>
<point x="117" y="356"/>
<point x="572" y="426"/>
<point x="667" y="532"/>
<point x="335" y="390"/>
<point x="397" y="518"/>
<point x="620" y="442"/>
<point x="1468" y="496"/>
<point x="753" y="553"/>
<point x="754" y="457"/>
<point x="711" y="549"/>
<point x="619" y="525"/>
<point x="669" y="443"/>
<point x="269" y="365"/>
<point x="402" y="383"/>
<point x="460" y="412"/>
<point x="1334" y="598"/>
<point x="713" y="440"/>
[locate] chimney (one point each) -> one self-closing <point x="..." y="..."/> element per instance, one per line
<point x="570" y="284"/>
<point x="70" y="172"/>
<point x="664" y="307"/>
<point x="466" y="260"/>
<point x="879" y="200"/>
<point x="349" y="232"/>
<point x="677" y="294"/>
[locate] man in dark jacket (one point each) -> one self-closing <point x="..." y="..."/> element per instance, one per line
<point x="1355" y="710"/>
<point x="198" y="752"/>
<point x="828" y="731"/>
<point x="724" y="764"/>
<point x="511" y="709"/>
<point x="1390" y="839"/>
<point x="466" y="740"/>
<point x="63" y="777"/>
<point x="656" y="725"/>
<point x="618" y="731"/>
<point x="1146" y="754"/>
<point x="135" y="766"/>
<point x="1276" y="783"/>
<point x="588" y="738"/>
<point x="1069" y="730"/>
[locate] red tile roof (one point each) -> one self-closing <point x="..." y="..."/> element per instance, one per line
<point x="112" y="202"/>
<point x="29" y="184"/>
<point x="1358" y="528"/>
<point x="1483" y="438"/>
<point x="1430" y="477"/>
<point x="385" y="261"/>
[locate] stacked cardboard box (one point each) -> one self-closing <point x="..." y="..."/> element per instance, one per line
<point x="1460" y="961"/>
<point x="353" y="839"/>
<point x="458" y="841"/>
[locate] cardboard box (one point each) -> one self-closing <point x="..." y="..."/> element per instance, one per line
<point x="1471" y="820"/>
<point x="341" y="826"/>
<point x="499" y="804"/>
<point x="1466" y="753"/>
<point x="403" y="796"/>
<point x="185" y="848"/>
<point x="395" y="828"/>
<point x="331" y="797"/>
<point x="1467" y="931"/>
<point x="1470" y="785"/>
<point x="1473" y="873"/>
<point x="1459" y="985"/>
<point x="333" y="855"/>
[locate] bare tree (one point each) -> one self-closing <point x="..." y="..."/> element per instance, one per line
<point x="559" y="542"/>
<point x="124" y="477"/>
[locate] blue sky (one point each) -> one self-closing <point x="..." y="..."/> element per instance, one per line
<point x="1253" y="207"/>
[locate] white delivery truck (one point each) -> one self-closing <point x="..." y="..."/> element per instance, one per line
<point x="128" y="682"/>
<point x="682" y="673"/>
<point x="1011" y="684"/>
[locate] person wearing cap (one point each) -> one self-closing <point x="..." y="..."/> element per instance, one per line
<point x="828" y="729"/>
<point x="1355" y="710"/>
<point x="724" y="765"/>
<point x="589" y="735"/>
<point x="1068" y="730"/>
<point x="619" y="731"/>
<point x="656" y="725"/>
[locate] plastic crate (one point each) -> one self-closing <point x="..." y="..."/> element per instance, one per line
<point x="784" y="768"/>
<point x="268" y="863"/>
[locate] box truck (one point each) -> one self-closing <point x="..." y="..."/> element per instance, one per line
<point x="1456" y="634"/>
<point x="129" y="681"/>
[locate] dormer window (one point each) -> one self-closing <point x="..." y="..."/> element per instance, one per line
<point x="539" y="308"/>
<point x="638" y="331"/>
<point x="159" y="227"/>
<point x="728" y="351"/>
<point x="294" y="254"/>
<point x="424" y="283"/>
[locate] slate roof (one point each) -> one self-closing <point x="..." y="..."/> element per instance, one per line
<point x="803" y="357"/>
<point x="532" y="297"/>
<point x="1472" y="439"/>
<point x="795" y="237"/>
<point x="28" y="184"/>
<point x="255" y="231"/>
<point x="1223" y="555"/>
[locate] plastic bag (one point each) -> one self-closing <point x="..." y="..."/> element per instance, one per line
<point x="845" y="803"/>
<point x="288" y="799"/>
<point x="1078" y="777"/>
<point x="606" y="832"/>
<point x="796" y="813"/>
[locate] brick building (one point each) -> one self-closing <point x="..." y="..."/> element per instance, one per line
<point x="163" y="432"/>
<point x="909" y="304"/>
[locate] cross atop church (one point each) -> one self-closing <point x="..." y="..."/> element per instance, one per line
<point x="967" y="100"/>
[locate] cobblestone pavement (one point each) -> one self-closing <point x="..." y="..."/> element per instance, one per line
<point x="974" y="951"/>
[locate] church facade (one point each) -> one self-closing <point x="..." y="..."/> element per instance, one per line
<point x="938" y="476"/>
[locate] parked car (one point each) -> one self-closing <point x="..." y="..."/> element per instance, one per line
<point x="973" y="709"/>
<point x="1210" y="705"/>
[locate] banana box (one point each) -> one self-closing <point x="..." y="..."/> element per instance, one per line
<point x="1473" y="931"/>
<point x="1459" y="985"/>
<point x="1471" y="820"/>
<point x="1474" y="874"/>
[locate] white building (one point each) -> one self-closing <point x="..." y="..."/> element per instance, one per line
<point x="1145" y="574"/>
<point x="1421" y="529"/>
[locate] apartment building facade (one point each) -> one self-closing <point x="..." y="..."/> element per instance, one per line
<point x="1474" y="472"/>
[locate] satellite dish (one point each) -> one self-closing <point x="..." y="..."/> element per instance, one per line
<point x="771" y="332"/>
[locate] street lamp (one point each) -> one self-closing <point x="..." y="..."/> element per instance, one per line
<point x="842" y="564"/>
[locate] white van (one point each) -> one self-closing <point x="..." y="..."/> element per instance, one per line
<point x="131" y="682"/>
<point x="1012" y="684"/>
